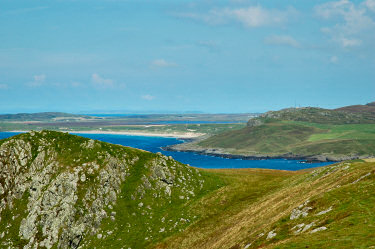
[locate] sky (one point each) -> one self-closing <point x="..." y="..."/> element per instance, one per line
<point x="178" y="56"/>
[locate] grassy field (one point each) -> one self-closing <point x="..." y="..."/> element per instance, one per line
<point x="256" y="204"/>
<point x="299" y="138"/>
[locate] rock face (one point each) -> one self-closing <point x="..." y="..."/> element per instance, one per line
<point x="59" y="190"/>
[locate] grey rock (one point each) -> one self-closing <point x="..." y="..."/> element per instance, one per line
<point x="271" y="234"/>
<point x="324" y="211"/>
<point x="318" y="229"/>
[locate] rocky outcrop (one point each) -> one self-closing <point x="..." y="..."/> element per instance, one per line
<point x="57" y="189"/>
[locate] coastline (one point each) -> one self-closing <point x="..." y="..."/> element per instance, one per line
<point x="190" y="137"/>
<point x="187" y="135"/>
<point x="289" y="156"/>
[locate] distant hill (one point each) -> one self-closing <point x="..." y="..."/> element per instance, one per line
<point x="64" y="191"/>
<point x="40" y="116"/>
<point x="319" y="115"/>
<point x="368" y="108"/>
<point x="308" y="133"/>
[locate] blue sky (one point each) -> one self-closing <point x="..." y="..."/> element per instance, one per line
<point x="209" y="56"/>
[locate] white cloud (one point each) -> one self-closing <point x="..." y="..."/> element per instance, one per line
<point x="257" y="16"/>
<point x="38" y="81"/>
<point x="148" y="97"/>
<point x="334" y="59"/>
<point x="251" y="17"/>
<point x="347" y="43"/>
<point x="370" y="4"/>
<point x="282" y="40"/>
<point x="353" y="21"/>
<point x="163" y="63"/>
<point x="329" y="9"/>
<point x="3" y="86"/>
<point x="99" y="81"/>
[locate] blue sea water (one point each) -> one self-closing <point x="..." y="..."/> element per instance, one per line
<point x="154" y="144"/>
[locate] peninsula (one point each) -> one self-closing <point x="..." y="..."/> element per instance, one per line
<point x="309" y="133"/>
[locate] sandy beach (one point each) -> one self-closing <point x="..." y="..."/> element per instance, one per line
<point x="137" y="133"/>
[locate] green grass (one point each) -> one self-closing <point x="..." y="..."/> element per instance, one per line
<point x="144" y="229"/>
<point x="269" y="138"/>
<point x="300" y="138"/>
<point x="12" y="217"/>
<point x="359" y="131"/>
<point x="318" y="115"/>
<point x="218" y="210"/>
<point x="256" y="202"/>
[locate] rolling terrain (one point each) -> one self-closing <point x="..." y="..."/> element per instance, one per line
<point x="304" y="133"/>
<point x="63" y="191"/>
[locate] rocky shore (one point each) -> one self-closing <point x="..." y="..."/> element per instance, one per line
<point x="192" y="146"/>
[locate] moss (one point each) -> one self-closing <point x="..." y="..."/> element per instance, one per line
<point x="11" y="220"/>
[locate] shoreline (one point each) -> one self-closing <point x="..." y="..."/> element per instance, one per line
<point x="190" y="136"/>
<point x="187" y="135"/>
<point x="305" y="158"/>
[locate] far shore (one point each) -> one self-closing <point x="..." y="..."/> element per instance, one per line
<point x="185" y="135"/>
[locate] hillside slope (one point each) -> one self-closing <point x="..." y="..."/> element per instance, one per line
<point x="338" y="116"/>
<point x="368" y="108"/>
<point x="328" y="207"/>
<point x="65" y="191"/>
<point x="304" y="133"/>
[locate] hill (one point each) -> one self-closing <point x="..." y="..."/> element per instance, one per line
<point x="64" y="191"/>
<point x="279" y="209"/>
<point x="301" y="133"/>
<point x="368" y="108"/>
<point x="317" y="115"/>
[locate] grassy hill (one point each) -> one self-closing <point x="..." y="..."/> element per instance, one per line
<point x="329" y="207"/>
<point x="368" y="108"/>
<point x="316" y="115"/>
<point x="310" y="133"/>
<point x="64" y="191"/>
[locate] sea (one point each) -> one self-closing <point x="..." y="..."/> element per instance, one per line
<point x="155" y="144"/>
